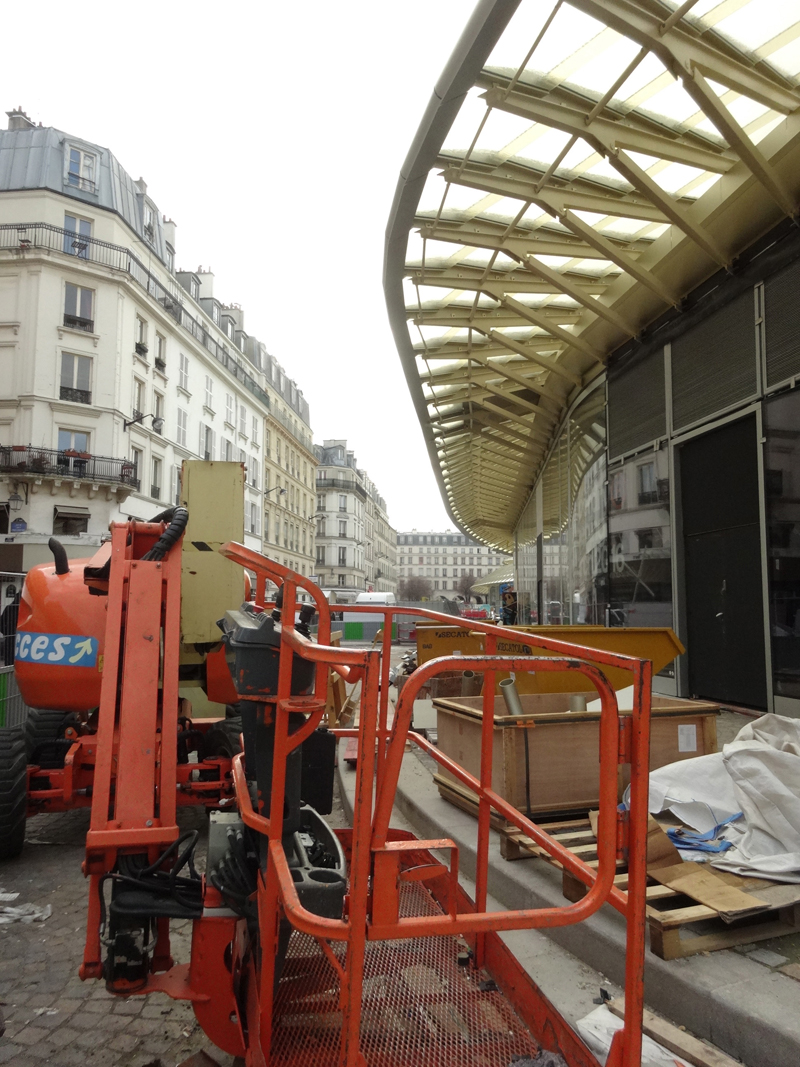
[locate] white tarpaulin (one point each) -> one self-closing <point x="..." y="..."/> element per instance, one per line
<point x="757" y="774"/>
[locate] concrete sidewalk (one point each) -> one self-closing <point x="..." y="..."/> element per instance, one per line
<point x="740" y="1005"/>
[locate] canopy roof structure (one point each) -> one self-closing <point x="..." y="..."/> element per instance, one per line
<point x="581" y="167"/>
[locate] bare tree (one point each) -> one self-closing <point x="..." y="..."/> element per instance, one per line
<point x="464" y="585"/>
<point x="415" y="588"/>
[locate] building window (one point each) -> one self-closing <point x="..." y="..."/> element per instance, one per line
<point x="81" y="169"/>
<point x="141" y="336"/>
<point x="226" y="453"/>
<point x="342" y="579"/>
<point x="206" y="442"/>
<point x="648" y="487"/>
<point x="243" y="420"/>
<point x="266" y="526"/>
<point x="170" y="259"/>
<point x="342" y="557"/>
<point x="137" y="459"/>
<point x="155" y="485"/>
<point x="158" y="411"/>
<point x="209" y="401"/>
<point x="76" y="239"/>
<point x="343" y="527"/>
<point x="73" y="441"/>
<point x="650" y="538"/>
<point x="254" y="435"/>
<point x="76" y="373"/>
<point x="254" y="518"/>
<point x="161" y="352"/>
<point x="342" y="502"/>
<point x="176" y="485"/>
<point x="70" y="521"/>
<point x="78" y="304"/>
<point x="321" y="527"/>
<point x="321" y="554"/>
<point x="139" y="397"/>
<point x="194" y="288"/>
<point x="149" y="219"/>
<point x="230" y="416"/>
<point x="183" y="373"/>
<point x="320" y="503"/>
<point x="183" y="424"/>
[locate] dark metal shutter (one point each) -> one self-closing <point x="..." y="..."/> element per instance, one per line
<point x="782" y="324"/>
<point x="636" y="404"/>
<point x="714" y="362"/>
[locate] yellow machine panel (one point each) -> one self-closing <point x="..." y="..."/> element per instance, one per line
<point x="214" y="494"/>
<point x="655" y="643"/>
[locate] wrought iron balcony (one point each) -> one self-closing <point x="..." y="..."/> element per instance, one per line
<point x="77" y="396"/>
<point x="75" y="322"/>
<point x="23" y="237"/>
<point x="27" y="461"/>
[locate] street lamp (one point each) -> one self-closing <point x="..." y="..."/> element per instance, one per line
<point x="281" y="490"/>
<point x="158" y="422"/>
<point x="15" y="500"/>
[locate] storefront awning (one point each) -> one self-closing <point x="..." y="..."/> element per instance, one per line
<point x="71" y="512"/>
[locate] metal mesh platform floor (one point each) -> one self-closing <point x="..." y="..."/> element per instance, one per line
<point x="419" y="1007"/>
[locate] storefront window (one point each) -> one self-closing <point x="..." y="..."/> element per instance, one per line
<point x="639" y="546"/>
<point x="782" y="490"/>
<point x="588" y="525"/>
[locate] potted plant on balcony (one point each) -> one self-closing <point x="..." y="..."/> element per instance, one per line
<point x="141" y="348"/>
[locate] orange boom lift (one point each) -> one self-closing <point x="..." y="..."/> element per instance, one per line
<point x="312" y="946"/>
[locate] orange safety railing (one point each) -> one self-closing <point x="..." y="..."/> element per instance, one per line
<point x="372" y="913"/>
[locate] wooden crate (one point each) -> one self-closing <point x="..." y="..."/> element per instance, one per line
<point x="563" y="747"/>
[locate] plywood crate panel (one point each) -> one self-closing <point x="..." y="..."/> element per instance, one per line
<point x="563" y="746"/>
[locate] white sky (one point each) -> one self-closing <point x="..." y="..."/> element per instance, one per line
<point x="273" y="135"/>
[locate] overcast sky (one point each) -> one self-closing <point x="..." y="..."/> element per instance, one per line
<point x="273" y="135"/>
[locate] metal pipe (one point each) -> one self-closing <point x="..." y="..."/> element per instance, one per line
<point x="508" y="687"/>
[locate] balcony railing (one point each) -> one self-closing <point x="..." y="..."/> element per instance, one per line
<point x="304" y="438"/>
<point x="75" y="322"/>
<point x="155" y="492"/>
<point x="66" y="463"/>
<point x="341" y="483"/>
<point x="77" y="396"/>
<point x="26" y="236"/>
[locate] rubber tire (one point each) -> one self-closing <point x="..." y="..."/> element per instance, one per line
<point x="223" y="738"/>
<point x="42" y="724"/>
<point x="13" y="790"/>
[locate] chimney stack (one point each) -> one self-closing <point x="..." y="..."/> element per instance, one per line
<point x="18" y="120"/>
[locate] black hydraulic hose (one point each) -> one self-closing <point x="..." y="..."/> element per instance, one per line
<point x="177" y="524"/>
<point x="59" y="555"/>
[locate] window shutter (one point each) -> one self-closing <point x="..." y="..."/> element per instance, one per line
<point x="213" y="449"/>
<point x="202" y="446"/>
<point x="637" y="411"/>
<point x="714" y="362"/>
<point x="782" y="324"/>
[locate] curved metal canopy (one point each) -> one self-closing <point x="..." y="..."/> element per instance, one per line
<point x="581" y="167"/>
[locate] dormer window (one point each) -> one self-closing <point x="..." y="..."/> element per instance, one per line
<point x="81" y="170"/>
<point x="194" y="288"/>
<point x="215" y="314"/>
<point x="170" y="259"/>
<point x="149" y="219"/>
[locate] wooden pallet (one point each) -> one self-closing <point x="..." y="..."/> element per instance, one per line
<point x="678" y="925"/>
<point x="681" y="927"/>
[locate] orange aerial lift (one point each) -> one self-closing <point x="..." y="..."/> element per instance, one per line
<point x="312" y="946"/>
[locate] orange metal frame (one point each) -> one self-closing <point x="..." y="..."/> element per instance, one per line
<point x="231" y="984"/>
